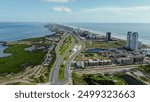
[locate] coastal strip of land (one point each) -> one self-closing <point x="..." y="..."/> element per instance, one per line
<point x="74" y="56"/>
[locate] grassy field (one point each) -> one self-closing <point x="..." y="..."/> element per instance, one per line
<point x="61" y="72"/>
<point x="65" y="46"/>
<point x="145" y="68"/>
<point x="105" y="45"/>
<point x="96" y="79"/>
<point x="78" y="79"/>
<point x="102" y="45"/>
<point x="20" y="59"/>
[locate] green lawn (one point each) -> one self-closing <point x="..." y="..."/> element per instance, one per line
<point x="104" y="45"/>
<point x="145" y="68"/>
<point x="20" y="59"/>
<point x="61" y="72"/>
<point x="78" y="79"/>
<point x="65" y="46"/>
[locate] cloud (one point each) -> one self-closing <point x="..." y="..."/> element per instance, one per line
<point x="105" y="14"/>
<point x="137" y="10"/>
<point x="112" y="14"/>
<point x="61" y="9"/>
<point x="58" y="1"/>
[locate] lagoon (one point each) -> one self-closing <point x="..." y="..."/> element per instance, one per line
<point x="2" y="48"/>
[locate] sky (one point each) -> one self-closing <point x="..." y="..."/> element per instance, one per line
<point x="75" y="11"/>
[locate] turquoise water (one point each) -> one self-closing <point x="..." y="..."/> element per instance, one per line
<point x="18" y="31"/>
<point x="2" y="48"/>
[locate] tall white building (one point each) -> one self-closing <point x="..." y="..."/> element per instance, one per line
<point x="129" y="40"/>
<point x="132" y="41"/>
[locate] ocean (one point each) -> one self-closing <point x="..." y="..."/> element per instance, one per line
<point x="118" y="30"/>
<point x="18" y="31"/>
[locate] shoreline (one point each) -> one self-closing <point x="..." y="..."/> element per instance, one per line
<point x="104" y="33"/>
<point x="2" y="54"/>
<point x="6" y="43"/>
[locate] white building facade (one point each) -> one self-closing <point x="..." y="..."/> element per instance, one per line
<point x="132" y="41"/>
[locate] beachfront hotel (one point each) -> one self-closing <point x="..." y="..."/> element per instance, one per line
<point x="132" y="41"/>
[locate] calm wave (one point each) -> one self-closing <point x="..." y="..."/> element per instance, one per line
<point x="119" y="29"/>
<point x="18" y="31"/>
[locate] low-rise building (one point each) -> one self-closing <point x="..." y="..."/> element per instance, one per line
<point x="138" y="59"/>
<point x="130" y="60"/>
<point x="80" y="64"/>
<point x="145" y="52"/>
<point x="125" y="61"/>
<point x="93" y="63"/>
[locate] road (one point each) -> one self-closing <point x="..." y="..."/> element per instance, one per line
<point x="53" y="75"/>
<point x="68" y="63"/>
<point x="55" y="69"/>
<point x="59" y="60"/>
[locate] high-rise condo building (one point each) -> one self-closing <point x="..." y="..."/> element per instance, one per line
<point x="108" y="36"/>
<point x="132" y="41"/>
